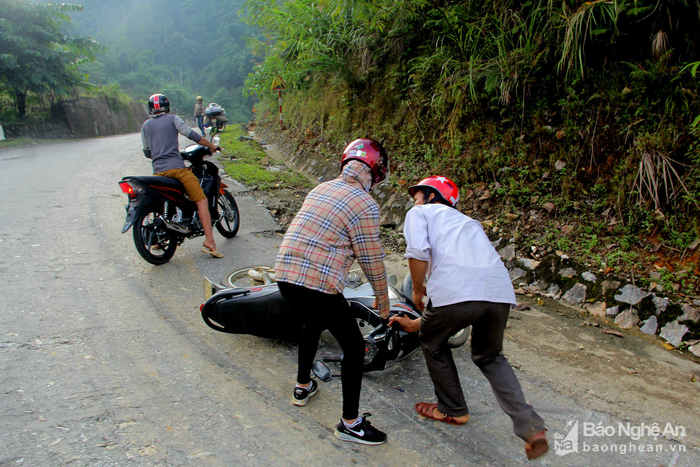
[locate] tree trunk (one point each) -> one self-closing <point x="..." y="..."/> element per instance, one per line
<point x="21" y="102"/>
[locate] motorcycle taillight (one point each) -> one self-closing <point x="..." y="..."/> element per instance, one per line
<point x="222" y="188"/>
<point x="126" y="188"/>
<point x="131" y="190"/>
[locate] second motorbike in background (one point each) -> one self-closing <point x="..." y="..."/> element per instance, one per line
<point x="215" y="118"/>
<point x="163" y="216"/>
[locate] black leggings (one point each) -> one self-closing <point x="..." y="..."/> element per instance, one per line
<point x="318" y="311"/>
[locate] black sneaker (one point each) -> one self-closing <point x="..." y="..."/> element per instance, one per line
<point x="363" y="433"/>
<point x="301" y="396"/>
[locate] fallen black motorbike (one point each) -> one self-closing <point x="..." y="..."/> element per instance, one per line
<point x="162" y="214"/>
<point x="263" y="312"/>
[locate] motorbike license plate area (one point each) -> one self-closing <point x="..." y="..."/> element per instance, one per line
<point x="130" y="216"/>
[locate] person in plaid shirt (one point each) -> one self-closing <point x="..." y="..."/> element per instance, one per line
<point x="337" y="224"/>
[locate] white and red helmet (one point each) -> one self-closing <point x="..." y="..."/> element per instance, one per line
<point x="158" y="103"/>
<point x="443" y="187"/>
<point x="369" y="152"/>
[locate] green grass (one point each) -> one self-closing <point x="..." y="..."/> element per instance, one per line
<point x="253" y="167"/>
<point x="15" y="142"/>
<point x="244" y="151"/>
<point x="251" y="174"/>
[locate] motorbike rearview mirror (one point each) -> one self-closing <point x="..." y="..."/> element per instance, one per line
<point x="321" y="371"/>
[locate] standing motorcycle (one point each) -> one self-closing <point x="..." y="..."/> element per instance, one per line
<point x="163" y="216"/>
<point x="215" y="118"/>
<point x="262" y="311"/>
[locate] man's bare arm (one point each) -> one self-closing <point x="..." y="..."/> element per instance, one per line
<point x="418" y="271"/>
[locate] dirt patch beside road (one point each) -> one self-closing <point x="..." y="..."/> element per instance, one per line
<point x="636" y="380"/>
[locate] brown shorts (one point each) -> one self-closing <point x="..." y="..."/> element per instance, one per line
<point x="188" y="179"/>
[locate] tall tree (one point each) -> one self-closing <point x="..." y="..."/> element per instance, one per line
<point x="35" y="53"/>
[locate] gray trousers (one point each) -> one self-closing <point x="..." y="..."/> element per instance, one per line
<point x="488" y="321"/>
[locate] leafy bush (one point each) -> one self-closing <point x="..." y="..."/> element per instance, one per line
<point x="591" y="106"/>
<point x="38" y="57"/>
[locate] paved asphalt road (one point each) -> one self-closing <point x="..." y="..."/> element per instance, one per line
<point x="105" y="361"/>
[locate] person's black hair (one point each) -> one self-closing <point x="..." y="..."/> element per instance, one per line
<point x="436" y="199"/>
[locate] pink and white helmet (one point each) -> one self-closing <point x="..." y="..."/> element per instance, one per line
<point x="370" y="153"/>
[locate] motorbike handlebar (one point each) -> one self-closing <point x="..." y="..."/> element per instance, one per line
<point x="395" y="325"/>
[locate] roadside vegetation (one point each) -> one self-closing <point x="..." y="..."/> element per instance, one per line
<point x="182" y="49"/>
<point x="39" y="63"/>
<point x="123" y="50"/>
<point x="16" y="142"/>
<point x="246" y="161"/>
<point x="570" y="126"/>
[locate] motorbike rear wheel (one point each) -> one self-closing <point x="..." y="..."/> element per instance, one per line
<point x="153" y="241"/>
<point x="227" y="213"/>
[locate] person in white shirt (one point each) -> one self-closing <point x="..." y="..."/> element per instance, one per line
<point x="467" y="285"/>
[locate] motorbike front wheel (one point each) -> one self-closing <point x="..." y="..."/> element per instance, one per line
<point x="227" y="213"/>
<point x="153" y="241"/>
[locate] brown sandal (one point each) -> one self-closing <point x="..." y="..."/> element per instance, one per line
<point x="211" y="251"/>
<point x="427" y="410"/>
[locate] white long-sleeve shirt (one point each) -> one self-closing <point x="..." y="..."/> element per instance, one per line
<point x="464" y="266"/>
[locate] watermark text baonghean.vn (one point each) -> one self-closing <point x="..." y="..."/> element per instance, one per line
<point x="621" y="438"/>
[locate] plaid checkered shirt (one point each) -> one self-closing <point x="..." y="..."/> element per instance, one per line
<point x="338" y="223"/>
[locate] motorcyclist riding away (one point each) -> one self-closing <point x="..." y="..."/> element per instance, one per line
<point x="160" y="144"/>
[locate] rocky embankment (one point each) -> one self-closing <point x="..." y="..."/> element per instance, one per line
<point x="83" y="117"/>
<point x="608" y="299"/>
<point x="612" y="301"/>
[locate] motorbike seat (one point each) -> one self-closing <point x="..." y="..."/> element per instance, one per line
<point x="153" y="180"/>
<point x="260" y="311"/>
